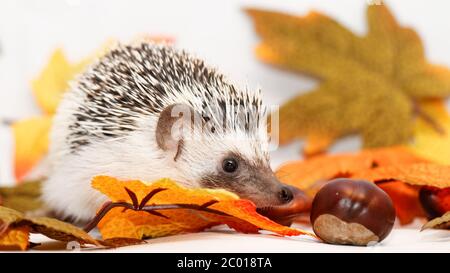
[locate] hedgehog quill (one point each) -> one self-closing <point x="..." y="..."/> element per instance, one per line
<point x="148" y="111"/>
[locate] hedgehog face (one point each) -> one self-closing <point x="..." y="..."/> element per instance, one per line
<point x="250" y="179"/>
<point x="236" y="160"/>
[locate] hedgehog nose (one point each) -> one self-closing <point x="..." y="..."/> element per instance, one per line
<point x="295" y="203"/>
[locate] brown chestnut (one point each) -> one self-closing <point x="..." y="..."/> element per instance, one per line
<point x="434" y="201"/>
<point x="356" y="212"/>
<point x="286" y="213"/>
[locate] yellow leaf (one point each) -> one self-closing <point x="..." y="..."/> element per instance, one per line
<point x="429" y="142"/>
<point x="369" y="84"/>
<point x="51" y="84"/>
<point x="53" y="81"/>
<point x="31" y="143"/>
<point x="31" y="135"/>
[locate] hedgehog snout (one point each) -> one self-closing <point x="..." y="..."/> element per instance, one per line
<point x="294" y="203"/>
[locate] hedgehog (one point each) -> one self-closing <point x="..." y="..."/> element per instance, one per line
<point x="118" y="118"/>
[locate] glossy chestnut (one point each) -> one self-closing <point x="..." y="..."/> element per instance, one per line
<point x="347" y="211"/>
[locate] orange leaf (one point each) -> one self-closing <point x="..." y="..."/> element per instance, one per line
<point x="15" y="238"/>
<point x="420" y="174"/>
<point x="241" y="214"/>
<point x="305" y="174"/>
<point x="394" y="164"/>
<point x="406" y="200"/>
<point x="31" y="143"/>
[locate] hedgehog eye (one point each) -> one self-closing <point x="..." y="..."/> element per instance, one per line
<point x="229" y="165"/>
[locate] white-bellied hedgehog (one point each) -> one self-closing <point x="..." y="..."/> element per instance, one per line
<point x="118" y="117"/>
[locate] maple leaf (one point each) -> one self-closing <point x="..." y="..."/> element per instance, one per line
<point x="370" y="85"/>
<point x="397" y="170"/>
<point x="421" y="174"/>
<point x="304" y="174"/>
<point x="31" y="135"/>
<point x="31" y="141"/>
<point x="190" y="210"/>
<point x="53" y="81"/>
<point x="433" y="141"/>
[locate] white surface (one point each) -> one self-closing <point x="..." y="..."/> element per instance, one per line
<point x="400" y="240"/>
<point x="221" y="33"/>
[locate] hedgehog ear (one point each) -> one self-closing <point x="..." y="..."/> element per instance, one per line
<point x="174" y="123"/>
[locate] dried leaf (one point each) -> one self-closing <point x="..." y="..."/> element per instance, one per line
<point x="431" y="142"/>
<point x="15" y="238"/>
<point x="442" y="222"/>
<point x="59" y="230"/>
<point x="23" y="197"/>
<point x="240" y="214"/>
<point x="120" y="242"/>
<point x="8" y="217"/>
<point x="22" y="203"/>
<point x="369" y="84"/>
<point x="30" y="188"/>
<point x="14" y="226"/>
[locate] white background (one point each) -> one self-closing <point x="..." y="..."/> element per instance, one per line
<point x="217" y="31"/>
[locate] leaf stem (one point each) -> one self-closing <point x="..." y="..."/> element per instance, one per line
<point x="150" y="208"/>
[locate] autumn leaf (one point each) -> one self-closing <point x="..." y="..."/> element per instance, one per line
<point x="222" y="208"/>
<point x="59" y="230"/>
<point x="397" y="170"/>
<point x="442" y="222"/>
<point x="11" y="235"/>
<point x="370" y="85"/>
<point x="31" y="141"/>
<point x="15" y="227"/>
<point x="8" y="217"/>
<point x="405" y="198"/>
<point x="23" y="197"/>
<point x="121" y="242"/>
<point x="31" y="135"/>
<point x="15" y="238"/>
<point x="421" y="174"/>
<point x="304" y="174"/>
<point x="431" y="142"/>
<point x="53" y="81"/>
